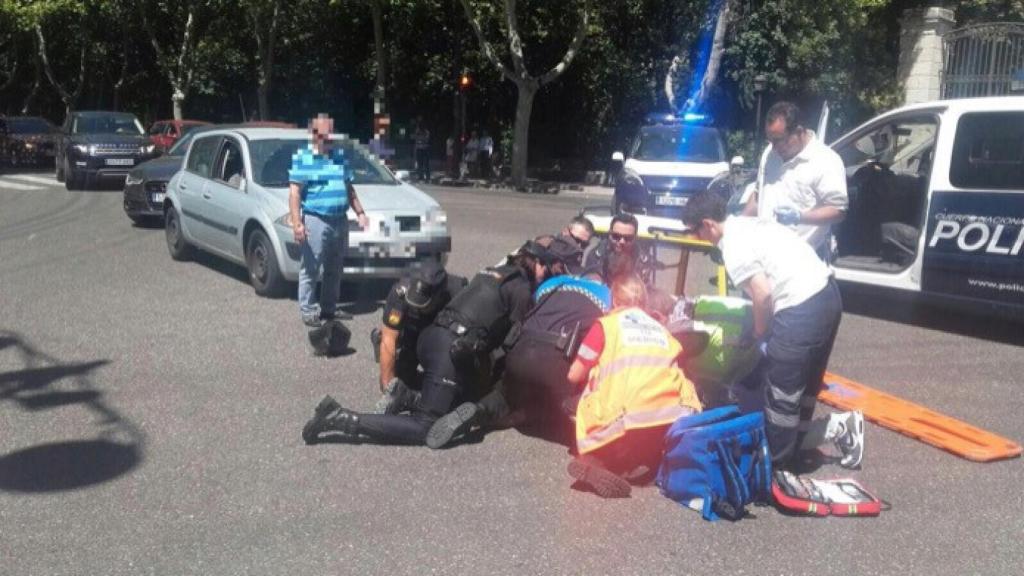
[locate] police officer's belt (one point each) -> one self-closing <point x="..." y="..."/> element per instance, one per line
<point x="558" y="340"/>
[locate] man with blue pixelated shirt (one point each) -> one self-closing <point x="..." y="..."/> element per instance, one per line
<point x="320" y="193"/>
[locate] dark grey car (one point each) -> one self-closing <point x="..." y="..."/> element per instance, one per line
<point x="146" y="184"/>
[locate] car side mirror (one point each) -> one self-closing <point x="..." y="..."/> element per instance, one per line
<point x="618" y="157"/>
<point x="402" y="175"/>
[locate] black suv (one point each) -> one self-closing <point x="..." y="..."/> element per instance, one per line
<point x="99" y="146"/>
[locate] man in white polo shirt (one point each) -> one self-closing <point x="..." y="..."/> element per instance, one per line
<point x="801" y="182"/>
<point x="796" y="309"/>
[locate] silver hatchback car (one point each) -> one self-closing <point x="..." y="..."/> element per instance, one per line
<point x="231" y="199"/>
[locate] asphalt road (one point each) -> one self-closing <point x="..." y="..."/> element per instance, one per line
<point x="150" y="414"/>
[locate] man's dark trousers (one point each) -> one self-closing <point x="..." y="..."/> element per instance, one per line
<point x="798" y="351"/>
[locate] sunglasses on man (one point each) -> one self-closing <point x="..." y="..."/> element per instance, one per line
<point x="624" y="238"/>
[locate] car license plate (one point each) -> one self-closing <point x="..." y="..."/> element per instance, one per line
<point x="670" y="200"/>
<point x="158" y="197"/>
<point x="120" y="162"/>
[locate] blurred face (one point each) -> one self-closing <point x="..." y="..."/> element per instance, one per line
<point x="320" y="129"/>
<point x="709" y="231"/>
<point x="785" y="143"/>
<point x="622" y="237"/>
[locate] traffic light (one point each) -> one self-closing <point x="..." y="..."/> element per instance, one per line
<point x="465" y="82"/>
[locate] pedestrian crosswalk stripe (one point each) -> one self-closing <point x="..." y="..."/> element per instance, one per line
<point x="49" y="180"/>
<point x="6" y="184"/>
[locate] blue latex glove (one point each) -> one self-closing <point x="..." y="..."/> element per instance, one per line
<point x="787" y="215"/>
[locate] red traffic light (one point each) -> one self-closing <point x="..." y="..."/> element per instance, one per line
<point x="465" y="82"/>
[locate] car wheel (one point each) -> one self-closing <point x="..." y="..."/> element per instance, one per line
<point x="264" y="273"/>
<point x="73" y="180"/>
<point x="176" y="244"/>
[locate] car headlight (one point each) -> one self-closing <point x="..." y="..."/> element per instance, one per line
<point x="147" y="149"/>
<point x="84" y="148"/>
<point x="632" y="178"/>
<point x="437" y="216"/>
<point x="29" y="146"/>
<point x="285" y="220"/>
<point x="133" y="179"/>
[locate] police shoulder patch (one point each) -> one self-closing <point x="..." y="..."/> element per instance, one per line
<point x="394" y="318"/>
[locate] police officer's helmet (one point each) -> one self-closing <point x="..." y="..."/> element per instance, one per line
<point x="567" y="252"/>
<point x="427" y="284"/>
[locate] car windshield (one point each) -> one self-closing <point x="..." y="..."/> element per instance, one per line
<point x="271" y="160"/>
<point x="181" y="146"/>
<point x="679" y="144"/>
<point x="28" y="126"/>
<point x="112" y="124"/>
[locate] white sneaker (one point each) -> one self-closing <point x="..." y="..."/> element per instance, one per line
<point x="851" y="441"/>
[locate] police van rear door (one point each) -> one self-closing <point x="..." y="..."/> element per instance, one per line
<point x="974" y="246"/>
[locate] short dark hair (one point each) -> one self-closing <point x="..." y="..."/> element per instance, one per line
<point x="788" y="112"/>
<point x="583" y="221"/>
<point x="706" y="204"/>
<point x="624" y="218"/>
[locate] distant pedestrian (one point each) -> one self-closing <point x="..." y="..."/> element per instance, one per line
<point x="449" y="152"/>
<point x="486" y="150"/>
<point x="422" y="144"/>
<point x="471" y="154"/>
<point x="319" y="195"/>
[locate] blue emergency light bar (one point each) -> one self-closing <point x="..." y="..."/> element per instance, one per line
<point x="655" y="118"/>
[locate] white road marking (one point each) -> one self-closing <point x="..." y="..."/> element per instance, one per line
<point x="48" y="180"/>
<point x="6" y="184"/>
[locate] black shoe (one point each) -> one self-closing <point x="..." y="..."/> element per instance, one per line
<point x="603" y="482"/>
<point x="397" y="398"/>
<point x="336" y="315"/>
<point x="456" y="422"/>
<point x="318" y="423"/>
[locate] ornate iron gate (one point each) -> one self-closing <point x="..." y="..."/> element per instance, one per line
<point x="983" y="60"/>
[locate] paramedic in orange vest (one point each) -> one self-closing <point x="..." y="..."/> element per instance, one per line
<point x="634" y="391"/>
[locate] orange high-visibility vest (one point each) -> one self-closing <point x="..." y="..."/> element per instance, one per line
<point x="636" y="382"/>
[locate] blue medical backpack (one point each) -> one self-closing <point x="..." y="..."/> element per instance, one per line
<point x="717" y="462"/>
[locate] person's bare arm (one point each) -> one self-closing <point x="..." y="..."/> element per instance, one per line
<point x="751" y="207"/>
<point x="759" y="289"/>
<point x="295" y="212"/>
<point x="822" y="215"/>
<point x="388" y="346"/>
<point x="578" y="373"/>
<point x="353" y="198"/>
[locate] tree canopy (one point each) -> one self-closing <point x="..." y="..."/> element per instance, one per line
<point x="288" y="60"/>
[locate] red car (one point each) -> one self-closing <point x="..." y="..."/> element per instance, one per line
<point x="165" y="133"/>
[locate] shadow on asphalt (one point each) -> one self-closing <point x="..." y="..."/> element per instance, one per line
<point x="116" y="449"/>
<point x="931" y="316"/>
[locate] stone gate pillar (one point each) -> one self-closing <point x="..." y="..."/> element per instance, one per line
<point x="920" y="63"/>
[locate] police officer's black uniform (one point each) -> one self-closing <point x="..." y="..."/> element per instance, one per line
<point x="409" y="317"/>
<point x="475" y="322"/>
<point x="537" y="366"/>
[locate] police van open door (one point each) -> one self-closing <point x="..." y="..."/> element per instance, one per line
<point x="937" y="202"/>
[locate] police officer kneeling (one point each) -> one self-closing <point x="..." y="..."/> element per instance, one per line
<point x="534" y="381"/>
<point x="411" y="306"/>
<point x="473" y="324"/>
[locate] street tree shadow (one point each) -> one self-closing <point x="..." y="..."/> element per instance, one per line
<point x="42" y="384"/>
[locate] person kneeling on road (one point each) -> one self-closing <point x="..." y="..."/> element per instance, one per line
<point x="634" y="391"/>
<point x="411" y="306"/>
<point x="473" y="324"/>
<point x="539" y="351"/>
<point x="797" y="309"/>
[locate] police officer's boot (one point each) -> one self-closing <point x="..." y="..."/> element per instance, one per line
<point x="329" y="416"/>
<point x="491" y="407"/>
<point x="397" y="398"/>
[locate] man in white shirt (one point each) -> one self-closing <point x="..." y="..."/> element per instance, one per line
<point x="797" y="309"/>
<point x="801" y="182"/>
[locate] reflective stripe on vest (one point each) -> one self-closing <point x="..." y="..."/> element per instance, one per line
<point x="636" y="383"/>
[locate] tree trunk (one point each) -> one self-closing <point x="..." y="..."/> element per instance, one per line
<point x="376" y="11"/>
<point x="526" y="91"/>
<point x="177" y="101"/>
<point x="715" y="59"/>
<point x="35" y="88"/>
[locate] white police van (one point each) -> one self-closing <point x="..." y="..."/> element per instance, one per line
<point x="672" y="158"/>
<point x="937" y="202"/>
